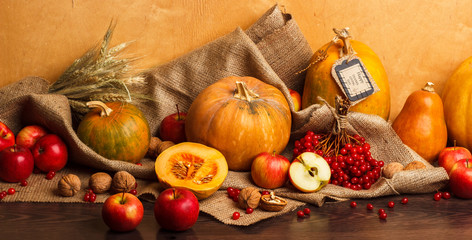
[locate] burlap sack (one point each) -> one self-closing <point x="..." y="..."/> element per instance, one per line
<point x="273" y="50"/>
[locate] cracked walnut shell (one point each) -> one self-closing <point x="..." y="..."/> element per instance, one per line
<point x="100" y="182"/>
<point x="123" y="181"/>
<point x="272" y="203"/>
<point x="69" y="185"/>
<point x="249" y="197"/>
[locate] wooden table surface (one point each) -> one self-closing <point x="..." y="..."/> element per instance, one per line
<point x="420" y="218"/>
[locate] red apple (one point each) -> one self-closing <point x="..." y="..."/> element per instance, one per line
<point x="450" y="155"/>
<point x="28" y="136"/>
<point x="460" y="178"/>
<point x="270" y="170"/>
<point x="16" y="163"/>
<point x="297" y="99"/>
<point x="7" y="138"/>
<point x="50" y="153"/>
<point x="172" y="127"/>
<point x="122" y="212"/>
<point x="176" y="209"/>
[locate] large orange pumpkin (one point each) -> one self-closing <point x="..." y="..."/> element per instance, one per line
<point x="241" y="117"/>
<point x="457" y="102"/>
<point x="115" y="130"/>
<point x="319" y="81"/>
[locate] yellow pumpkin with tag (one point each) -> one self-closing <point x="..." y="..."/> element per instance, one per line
<point x="320" y="83"/>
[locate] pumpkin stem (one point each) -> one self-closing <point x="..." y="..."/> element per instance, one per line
<point x="104" y="109"/>
<point x="242" y="92"/>
<point x="344" y="36"/>
<point x="428" y="87"/>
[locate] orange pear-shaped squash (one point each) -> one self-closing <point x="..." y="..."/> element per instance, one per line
<point x="421" y="125"/>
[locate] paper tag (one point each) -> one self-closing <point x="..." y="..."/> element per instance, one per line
<point x="353" y="79"/>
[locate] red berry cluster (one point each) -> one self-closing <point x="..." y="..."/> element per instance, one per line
<point x="352" y="166"/>
<point x="90" y="196"/>
<point x="233" y="193"/>
<point x="50" y="175"/>
<point x="305" y="212"/>
<point x="10" y="191"/>
<point x="437" y="196"/>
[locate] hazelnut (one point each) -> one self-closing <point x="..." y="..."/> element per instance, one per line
<point x="69" y="185"/>
<point x="414" y="165"/>
<point x="249" y="197"/>
<point x="164" y="145"/>
<point x="392" y="168"/>
<point x="156" y="147"/>
<point x="122" y="181"/>
<point x="100" y="182"/>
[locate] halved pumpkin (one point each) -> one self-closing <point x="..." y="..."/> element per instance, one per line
<point x="194" y="166"/>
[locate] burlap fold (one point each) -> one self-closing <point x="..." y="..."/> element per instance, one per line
<point x="272" y="50"/>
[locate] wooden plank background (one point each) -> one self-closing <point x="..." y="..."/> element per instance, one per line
<point x="417" y="40"/>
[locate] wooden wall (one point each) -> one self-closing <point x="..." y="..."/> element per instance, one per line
<point x="417" y="40"/>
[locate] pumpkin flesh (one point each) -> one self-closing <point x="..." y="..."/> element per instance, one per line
<point x="193" y="166"/>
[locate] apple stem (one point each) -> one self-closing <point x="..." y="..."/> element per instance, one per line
<point x="454" y="144"/>
<point x="178" y="112"/>
<point x="123" y="194"/>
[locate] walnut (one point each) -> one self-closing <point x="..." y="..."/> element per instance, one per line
<point x="414" y="165"/>
<point x="272" y="203"/>
<point x="100" y="182"/>
<point x="249" y="197"/>
<point x="123" y="181"/>
<point x="156" y="147"/>
<point x="69" y="185"/>
<point x="392" y="168"/>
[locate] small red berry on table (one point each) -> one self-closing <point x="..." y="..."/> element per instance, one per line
<point x="437" y="196"/>
<point x="11" y="191"/>
<point x="391" y="204"/>
<point x="236" y="215"/>
<point x="381" y="210"/>
<point x="383" y="216"/>
<point x="404" y="200"/>
<point x="446" y="195"/>
<point x="300" y="214"/>
<point x="23" y="183"/>
<point x="370" y="206"/>
<point x="353" y="204"/>
<point x="249" y="210"/>
<point x="306" y="211"/>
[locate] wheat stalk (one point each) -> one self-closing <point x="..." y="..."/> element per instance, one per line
<point x="100" y="74"/>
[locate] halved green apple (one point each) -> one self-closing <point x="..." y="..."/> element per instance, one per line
<point x="309" y="172"/>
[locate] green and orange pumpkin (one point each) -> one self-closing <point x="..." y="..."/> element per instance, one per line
<point x="115" y="130"/>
